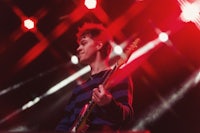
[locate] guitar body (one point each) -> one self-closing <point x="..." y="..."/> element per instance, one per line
<point x="82" y="122"/>
<point x="80" y="128"/>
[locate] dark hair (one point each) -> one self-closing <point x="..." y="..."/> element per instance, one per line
<point x="98" y="32"/>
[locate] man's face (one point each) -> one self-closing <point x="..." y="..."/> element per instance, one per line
<point x="87" y="49"/>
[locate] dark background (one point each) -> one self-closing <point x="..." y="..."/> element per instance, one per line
<point x="161" y="74"/>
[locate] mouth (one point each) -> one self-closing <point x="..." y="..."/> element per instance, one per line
<point x="80" y="54"/>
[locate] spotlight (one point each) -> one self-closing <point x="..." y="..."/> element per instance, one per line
<point x="90" y="4"/>
<point x="163" y="37"/>
<point x="29" y="24"/>
<point x="74" y="59"/>
<point x="118" y="50"/>
<point x="190" y="11"/>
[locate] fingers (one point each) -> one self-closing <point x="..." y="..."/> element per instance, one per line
<point x="101" y="89"/>
<point x="100" y="97"/>
<point x="96" y="96"/>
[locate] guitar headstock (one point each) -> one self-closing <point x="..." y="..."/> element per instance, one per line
<point x="127" y="52"/>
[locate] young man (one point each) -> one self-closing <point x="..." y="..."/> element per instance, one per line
<point x="113" y="108"/>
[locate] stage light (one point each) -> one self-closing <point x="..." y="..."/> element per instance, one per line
<point x="29" y="24"/>
<point x="74" y="59"/>
<point x="190" y="11"/>
<point x="31" y="103"/>
<point x="163" y="37"/>
<point x="67" y="81"/>
<point x="118" y="50"/>
<point x="90" y="4"/>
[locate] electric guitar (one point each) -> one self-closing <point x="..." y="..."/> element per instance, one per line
<point x="81" y="124"/>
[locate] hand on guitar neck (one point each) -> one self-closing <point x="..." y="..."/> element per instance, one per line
<point x="101" y="96"/>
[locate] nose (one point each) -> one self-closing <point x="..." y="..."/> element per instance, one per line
<point x="78" y="49"/>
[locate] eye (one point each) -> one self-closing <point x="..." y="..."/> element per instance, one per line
<point x="83" y="42"/>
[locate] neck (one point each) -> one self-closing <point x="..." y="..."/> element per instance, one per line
<point x="99" y="66"/>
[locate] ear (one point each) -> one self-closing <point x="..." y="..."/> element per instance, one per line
<point x="99" y="45"/>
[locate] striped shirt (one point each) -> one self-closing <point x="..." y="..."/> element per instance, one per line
<point x="118" y="112"/>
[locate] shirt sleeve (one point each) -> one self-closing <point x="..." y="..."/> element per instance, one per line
<point x="120" y="108"/>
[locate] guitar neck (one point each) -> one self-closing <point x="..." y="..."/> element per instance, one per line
<point x="106" y="82"/>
